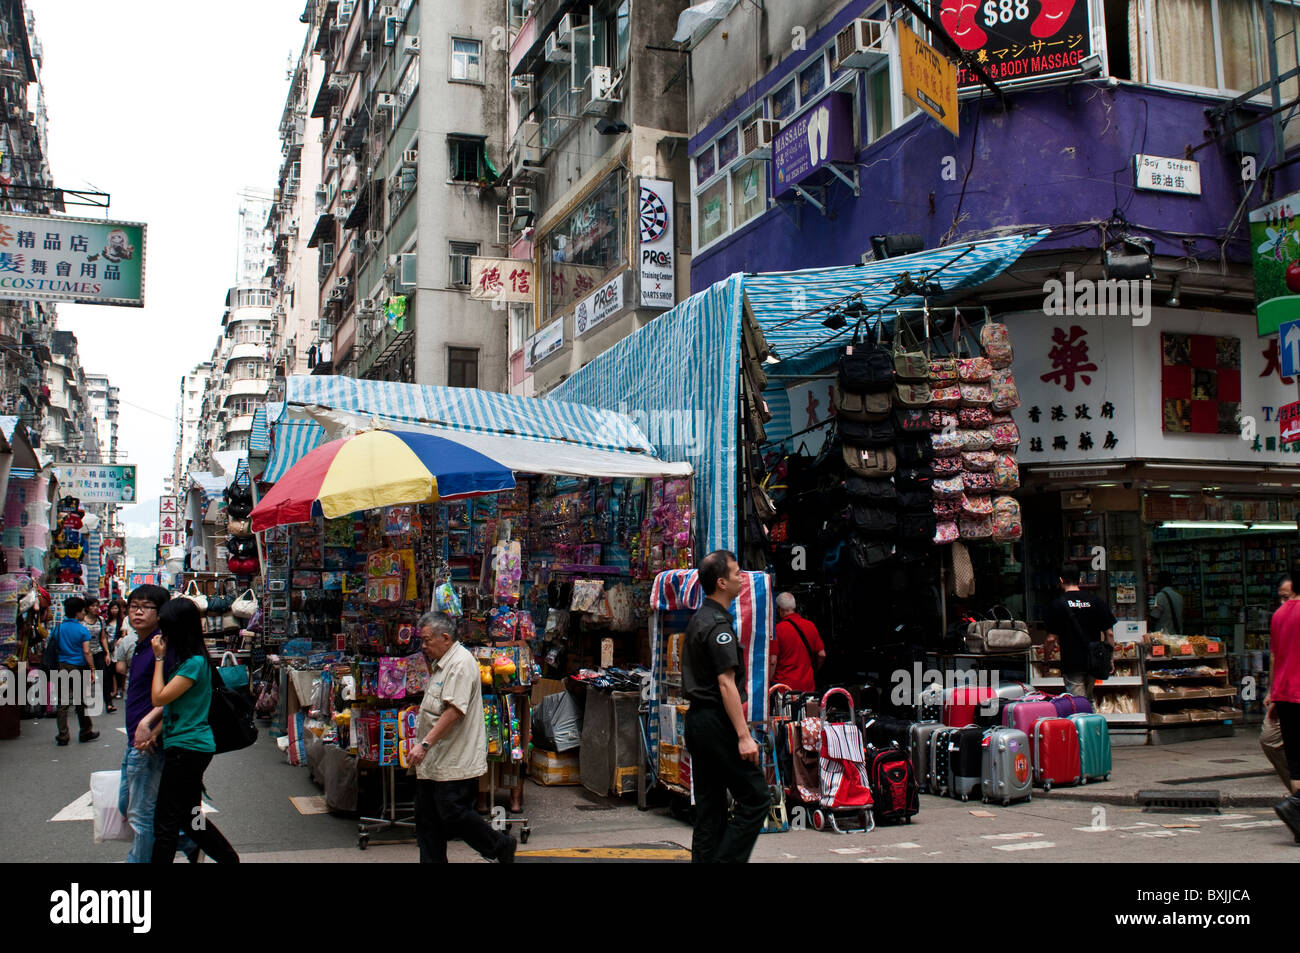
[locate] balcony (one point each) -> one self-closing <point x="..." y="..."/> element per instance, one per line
<point x="240" y="425"/>
<point x="249" y="387"/>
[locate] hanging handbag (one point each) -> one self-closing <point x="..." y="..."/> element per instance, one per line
<point x="914" y="478"/>
<point x="943" y="370"/>
<point x="879" y="433"/>
<point x="974" y="370"/>
<point x="975" y="527"/>
<point x="1006" y="473"/>
<point x="915" y="453"/>
<point x="909" y="365"/>
<point x="942" y="420"/>
<point x="912" y="420"/>
<point x="996" y="342"/>
<point x="866" y="366"/>
<point x="1006" y="435"/>
<point x="997" y="634"/>
<point x="878" y="492"/>
<point x="874" y="521"/>
<point x="976" y="395"/>
<point x="911" y="394"/>
<point x="947" y="466"/>
<point x="861" y="407"/>
<point x="238" y="527"/>
<point x="948" y="509"/>
<point x="915" y="499"/>
<point x="917" y="529"/>
<point x="244" y="607"/>
<point x="1007" y="526"/>
<point x="945" y="531"/>
<point x="947" y="444"/>
<point x="876" y="462"/>
<point x="978" y="461"/>
<point x="233" y="675"/>
<point x="948" y="395"/>
<point x="975" y="505"/>
<point x="193" y="594"/>
<point x="1005" y="394"/>
<point x="975" y="439"/>
<point x="948" y="488"/>
<point x="977" y="482"/>
<point x="975" y="418"/>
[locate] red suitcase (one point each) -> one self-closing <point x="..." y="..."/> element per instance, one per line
<point x="967" y="706"/>
<point x="1056" y="752"/>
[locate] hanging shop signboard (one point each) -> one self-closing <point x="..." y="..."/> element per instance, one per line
<point x="501" y="279"/>
<point x="167" y="504"/>
<point x="544" y="343"/>
<point x="136" y="579"/>
<point x="1288" y="421"/>
<point x="1016" y="42"/>
<point x="52" y="258"/>
<point x="929" y="78"/>
<point x="658" y="271"/>
<point x="96" y="482"/>
<point x="822" y="134"/>
<point x="1185" y="386"/>
<point x="1275" y="250"/>
<point x="599" y="306"/>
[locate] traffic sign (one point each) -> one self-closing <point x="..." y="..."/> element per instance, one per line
<point x="1288" y="335"/>
<point x="1288" y="421"/>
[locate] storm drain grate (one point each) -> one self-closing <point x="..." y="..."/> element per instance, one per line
<point x="1208" y="801"/>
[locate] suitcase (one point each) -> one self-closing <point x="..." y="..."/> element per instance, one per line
<point x="1056" y="752"/>
<point x="967" y="706"/>
<point x="893" y="786"/>
<point x="929" y="703"/>
<point x="920" y="748"/>
<point x="1023" y="714"/>
<point x="883" y="730"/>
<point x="1008" y="770"/>
<point x="1094" y="747"/>
<point x="965" y="757"/>
<point x="1067" y="705"/>
<point x="939" y="760"/>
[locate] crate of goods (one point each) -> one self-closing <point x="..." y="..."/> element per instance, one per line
<point x="554" y="769"/>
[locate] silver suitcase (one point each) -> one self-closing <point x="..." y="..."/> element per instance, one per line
<point x="1008" y="773"/>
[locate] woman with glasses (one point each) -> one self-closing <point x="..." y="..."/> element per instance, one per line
<point x="182" y="684"/>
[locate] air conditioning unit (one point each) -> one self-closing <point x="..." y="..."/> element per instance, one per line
<point x="356" y="246"/>
<point x="386" y="10"/>
<point x="410" y="157"/>
<point x="410" y="46"/>
<point x="406" y="271"/>
<point x="349" y="122"/>
<point x="386" y="101"/>
<point x="374" y="236"/>
<point x="521" y="85"/>
<point x="343" y="282"/>
<point x="555" y="53"/>
<point x="344" y="16"/>
<point x="322" y="199"/>
<point x="526" y="149"/>
<point x="331" y="163"/>
<point x="564" y="32"/>
<point x="363" y="55"/>
<point x="603" y="85"/>
<point x="521" y="200"/>
<point x="315" y="324"/>
<point x="861" y="44"/>
<point x="366" y="305"/>
<point x="758" y="136"/>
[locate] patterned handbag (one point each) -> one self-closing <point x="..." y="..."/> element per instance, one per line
<point x="1005" y="394"/>
<point x="976" y="395"/>
<point x="947" y="444"/>
<point x="947" y="466"/>
<point x="975" y="527"/>
<point x="946" y="532"/>
<point x="976" y="439"/>
<point x="1006" y="435"/>
<point x="1007" y="526"/>
<point x="977" y="482"/>
<point x="949" y="396"/>
<point x="1006" y="472"/>
<point x="979" y="461"/>
<point x="950" y="488"/>
<point x="943" y="370"/>
<point x="947" y="509"/>
<point x="974" y="370"/>
<point x="975" y="418"/>
<point x="996" y="341"/>
<point x="974" y="505"/>
<point x="944" y="420"/>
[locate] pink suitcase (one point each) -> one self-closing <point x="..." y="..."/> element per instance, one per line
<point x="1022" y="715"/>
<point x="1056" y="752"/>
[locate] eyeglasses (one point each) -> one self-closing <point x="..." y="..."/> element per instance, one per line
<point x="147" y="607"/>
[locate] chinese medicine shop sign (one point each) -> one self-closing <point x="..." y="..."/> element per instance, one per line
<point x="1017" y="41"/>
<point x="97" y="483"/>
<point x="71" y="259"/>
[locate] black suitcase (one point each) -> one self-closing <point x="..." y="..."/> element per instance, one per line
<point x="881" y="731"/>
<point x="965" y="761"/>
<point x="939" y="758"/>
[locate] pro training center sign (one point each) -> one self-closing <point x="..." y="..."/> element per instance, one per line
<point x="88" y="261"/>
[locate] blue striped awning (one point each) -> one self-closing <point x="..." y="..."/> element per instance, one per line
<point x="802" y="343"/>
<point x="449" y="409"/>
<point x="259" y="438"/>
<point x="22" y="473"/>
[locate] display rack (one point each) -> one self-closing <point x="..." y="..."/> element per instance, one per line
<point x="1189" y="687"/>
<point x="1127" y="683"/>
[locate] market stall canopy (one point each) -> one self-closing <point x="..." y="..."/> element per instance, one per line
<point x="684" y="365"/>
<point x="17" y="458"/>
<point x="205" y="497"/>
<point x="377" y="468"/>
<point x="525" y="434"/>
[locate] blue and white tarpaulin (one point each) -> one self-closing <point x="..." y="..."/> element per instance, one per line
<point x="678" y="375"/>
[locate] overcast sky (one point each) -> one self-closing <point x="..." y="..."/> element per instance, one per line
<point x="172" y="108"/>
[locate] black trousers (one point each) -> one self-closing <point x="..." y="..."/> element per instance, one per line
<point x="1288" y="717"/>
<point x="444" y="811"/>
<point x="716" y="768"/>
<point x="180" y="799"/>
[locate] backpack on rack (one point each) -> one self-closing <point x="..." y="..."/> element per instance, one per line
<point x="867" y="366"/>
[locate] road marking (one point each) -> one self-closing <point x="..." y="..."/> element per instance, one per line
<point x="121" y="729"/>
<point x="1022" y="835"/>
<point x="849" y="850"/>
<point x="80" y="810"/>
<point x="1137" y="827"/>
<point x="611" y="853"/>
<point x="1220" y="817"/>
<point x="906" y="845"/>
<point x="876" y="860"/>
<point x="1252" y="824"/>
<point x="1029" y="845"/>
<point x="1095" y="830"/>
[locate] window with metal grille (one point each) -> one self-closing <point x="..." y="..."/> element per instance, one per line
<point x="466" y="160"/>
<point x="461" y="252"/>
<point x="462" y="367"/>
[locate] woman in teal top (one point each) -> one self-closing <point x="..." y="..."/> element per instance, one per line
<point x="185" y="692"/>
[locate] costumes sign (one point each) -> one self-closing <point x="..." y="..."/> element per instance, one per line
<point x="72" y="259"/>
<point x="97" y="483"/>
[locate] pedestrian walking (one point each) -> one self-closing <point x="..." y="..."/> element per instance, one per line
<point x="1284" y="698"/>
<point x="452" y="753"/>
<point x="1270" y="733"/>
<point x="100" y="654"/>
<point x="74" y="666"/>
<point x="1075" y="621"/>
<point x="185" y="692"/>
<point x="724" y="756"/>
<point x="114" y="622"/>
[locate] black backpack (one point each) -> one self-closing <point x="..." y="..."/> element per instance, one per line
<point x="869" y="368"/>
<point x="914" y="478"/>
<point x="916" y="500"/>
<point x="874" y="521"/>
<point x="879" y="492"/>
<point x="917" y="529"/>
<point x="915" y="452"/>
<point x="879" y="433"/>
<point x="230" y="715"/>
<point x="912" y="419"/>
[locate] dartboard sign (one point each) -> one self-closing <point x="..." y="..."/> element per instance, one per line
<point x="654" y="216"/>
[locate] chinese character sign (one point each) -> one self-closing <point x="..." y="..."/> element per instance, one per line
<point x="1015" y="41"/>
<point x="72" y="259"/>
<point x="97" y="483"/>
<point x="501" y="279"/>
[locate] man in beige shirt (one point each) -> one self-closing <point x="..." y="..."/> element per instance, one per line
<point x="452" y="753"/>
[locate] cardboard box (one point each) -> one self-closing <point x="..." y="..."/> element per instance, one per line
<point x="545" y="686"/>
<point x="1180" y="718"/>
<point x="554" y="770"/>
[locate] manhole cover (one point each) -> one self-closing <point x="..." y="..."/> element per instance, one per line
<point x="1208" y="801"/>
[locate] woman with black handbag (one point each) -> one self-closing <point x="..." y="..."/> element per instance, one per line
<point x="188" y="746"/>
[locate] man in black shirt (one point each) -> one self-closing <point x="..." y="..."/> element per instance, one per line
<point x="1074" y="620"/>
<point x="724" y="757"/>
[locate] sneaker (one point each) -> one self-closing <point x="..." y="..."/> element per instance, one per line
<point x="61" y="740"/>
<point x="1289" y="811"/>
<point x="87" y="736"/>
<point x="507" y="855"/>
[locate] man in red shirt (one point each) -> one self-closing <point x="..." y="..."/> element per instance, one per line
<point x="1284" y="696"/>
<point x="797" y="649"/>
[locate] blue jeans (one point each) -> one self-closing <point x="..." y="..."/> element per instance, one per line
<point x="136" y="799"/>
